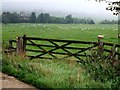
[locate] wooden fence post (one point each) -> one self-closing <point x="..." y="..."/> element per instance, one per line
<point x="100" y="45"/>
<point x="113" y="52"/>
<point x="19" y="46"/>
<point x="24" y="45"/>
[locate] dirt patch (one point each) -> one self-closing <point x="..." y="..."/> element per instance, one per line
<point x="11" y="82"/>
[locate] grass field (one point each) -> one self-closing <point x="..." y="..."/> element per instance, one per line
<point x="61" y="31"/>
<point x="44" y="73"/>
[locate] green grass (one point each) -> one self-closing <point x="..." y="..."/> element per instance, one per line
<point x="61" y="31"/>
<point x="56" y="74"/>
<point x="82" y="32"/>
<point x="66" y="73"/>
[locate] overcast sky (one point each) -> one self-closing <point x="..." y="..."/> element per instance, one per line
<point x="70" y="6"/>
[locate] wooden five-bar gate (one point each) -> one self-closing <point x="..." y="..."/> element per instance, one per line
<point x="59" y="49"/>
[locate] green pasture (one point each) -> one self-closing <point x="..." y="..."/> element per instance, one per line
<point x="66" y="73"/>
<point x="82" y="32"/>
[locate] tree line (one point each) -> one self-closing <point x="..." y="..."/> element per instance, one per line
<point x="14" y="17"/>
<point x="110" y="22"/>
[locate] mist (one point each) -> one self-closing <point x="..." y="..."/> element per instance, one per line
<point x="78" y="8"/>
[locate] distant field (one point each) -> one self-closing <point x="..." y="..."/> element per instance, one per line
<point x="84" y="32"/>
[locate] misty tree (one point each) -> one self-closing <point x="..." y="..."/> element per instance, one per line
<point x="90" y="22"/>
<point x="69" y="18"/>
<point x="109" y="22"/>
<point x="32" y="18"/>
<point x="5" y="20"/>
<point x="8" y="17"/>
<point x="40" y="18"/>
<point x="46" y="18"/>
<point x="15" y="18"/>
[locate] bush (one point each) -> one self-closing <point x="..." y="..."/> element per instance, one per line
<point x="103" y="71"/>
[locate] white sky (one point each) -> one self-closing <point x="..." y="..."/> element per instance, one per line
<point x="75" y="6"/>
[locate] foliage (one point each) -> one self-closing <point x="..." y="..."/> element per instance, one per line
<point x="8" y="17"/>
<point x="32" y="18"/>
<point x="15" y="17"/>
<point x="109" y="22"/>
<point x="103" y="71"/>
<point x="69" y="19"/>
<point x="58" y="74"/>
<point x="67" y="73"/>
<point x="43" y="18"/>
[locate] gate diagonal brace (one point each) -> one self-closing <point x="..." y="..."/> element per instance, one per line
<point x="86" y="49"/>
<point x="57" y="47"/>
<point x="63" y="48"/>
<point x="75" y="54"/>
<point x="42" y="49"/>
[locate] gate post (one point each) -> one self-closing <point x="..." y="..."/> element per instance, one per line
<point x="19" y="46"/>
<point x="100" y="45"/>
<point x="112" y="55"/>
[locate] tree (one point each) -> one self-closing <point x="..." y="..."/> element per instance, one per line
<point x="38" y="19"/>
<point x="15" y="18"/>
<point x="41" y="18"/>
<point x="8" y="17"/>
<point x="32" y="18"/>
<point x="91" y="22"/>
<point x="5" y="20"/>
<point x="46" y="18"/>
<point x="69" y="18"/>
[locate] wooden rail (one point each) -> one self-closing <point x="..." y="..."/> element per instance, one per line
<point x="27" y="44"/>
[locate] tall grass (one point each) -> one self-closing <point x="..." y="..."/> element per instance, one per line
<point x="43" y="73"/>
